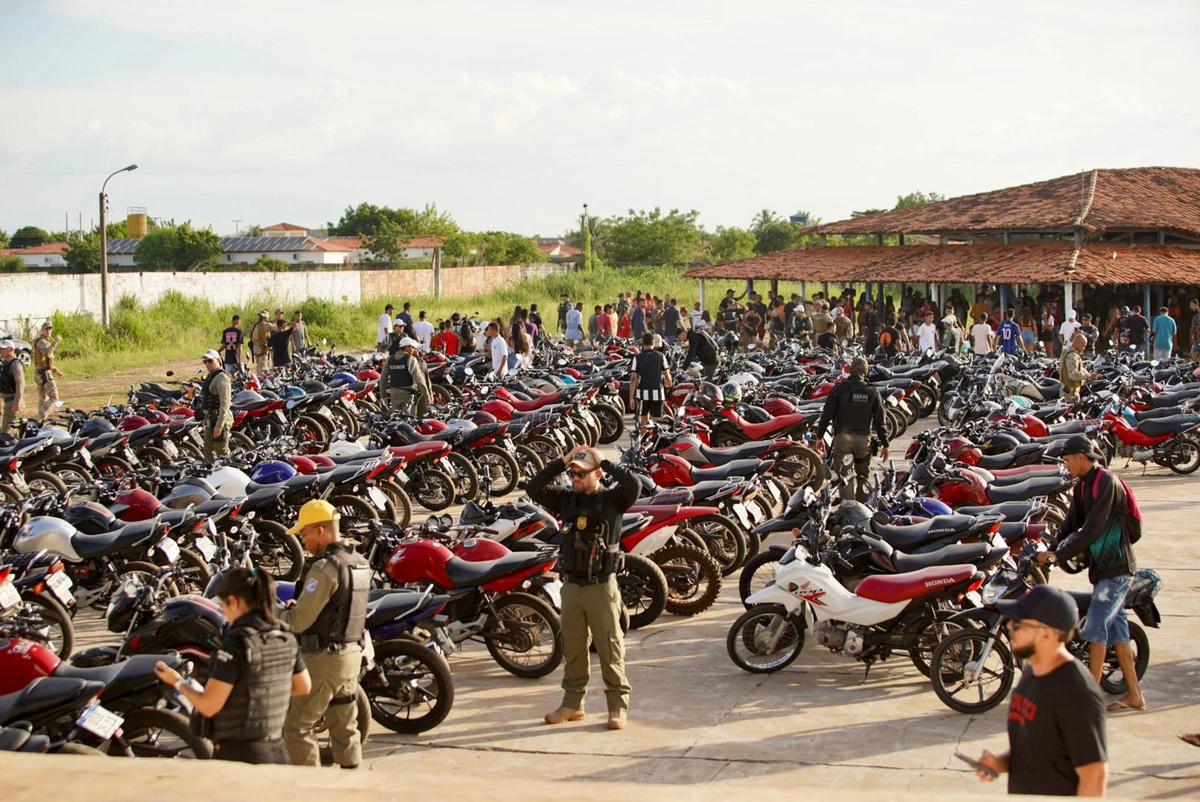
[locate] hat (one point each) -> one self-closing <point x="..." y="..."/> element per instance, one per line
<point x="948" y="319"/>
<point x="408" y="342"/>
<point x="1047" y="605"/>
<point x="317" y="511"/>
<point x="398" y="322"/>
<point x="7" y="344"/>
<point x="858" y="365"/>
<point x="1124" y="308"/>
<point x="48" y="325"/>
<point x="585" y="460"/>
<point x="1080" y="444"/>
<point x="1070" y="314"/>
<point x="211" y="354"/>
<point x="264" y="313"/>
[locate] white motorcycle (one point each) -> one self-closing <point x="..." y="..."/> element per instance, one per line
<point x="884" y="613"/>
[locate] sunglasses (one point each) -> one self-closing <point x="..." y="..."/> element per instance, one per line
<point x="578" y="474"/>
<point x="1018" y="625"/>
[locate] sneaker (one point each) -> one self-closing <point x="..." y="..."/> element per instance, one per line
<point x="616" y="719"/>
<point x="564" y="714"/>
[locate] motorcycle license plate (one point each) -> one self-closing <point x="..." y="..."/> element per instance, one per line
<point x="206" y="547"/>
<point x="377" y="497"/>
<point x="100" y="722"/>
<point x="9" y="596"/>
<point x="400" y="477"/>
<point x="554" y="591"/>
<point x="279" y="416"/>
<point x="132" y="459"/>
<point x="350" y="405"/>
<point x="171" y="449"/>
<point x="743" y="515"/>
<point x="85" y="457"/>
<point x="169" y="549"/>
<point x="60" y="585"/>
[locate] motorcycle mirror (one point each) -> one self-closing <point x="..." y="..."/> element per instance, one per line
<point x="468" y="371"/>
<point x="170" y="373"/>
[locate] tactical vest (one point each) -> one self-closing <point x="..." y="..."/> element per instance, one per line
<point x="259" y="700"/>
<point x="208" y="398"/>
<point x="8" y="383"/>
<point x="399" y="374"/>
<point x="344" y="618"/>
<point x="42" y="361"/>
<point x="591" y="544"/>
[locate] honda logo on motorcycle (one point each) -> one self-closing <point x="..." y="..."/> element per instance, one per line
<point x="807" y="592"/>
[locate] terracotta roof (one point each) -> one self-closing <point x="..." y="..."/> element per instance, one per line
<point x="354" y="243"/>
<point x="284" y="227"/>
<point x="558" y="249"/>
<point x="1024" y="263"/>
<point x="1140" y="198"/>
<point x="37" y="250"/>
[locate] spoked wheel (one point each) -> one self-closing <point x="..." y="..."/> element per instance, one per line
<point x="765" y="639"/>
<point x="411" y="689"/>
<point x="801" y="467"/>
<point x="530" y="463"/>
<point x="1111" y="678"/>
<point x="277" y="552"/>
<point x="723" y="539"/>
<point x="971" y="671"/>
<point x="465" y="477"/>
<point x="150" y="732"/>
<point x="1183" y="457"/>
<point x="432" y="489"/>
<point x="352" y="507"/>
<point x="525" y="638"/>
<point x="757" y="573"/>
<point x="693" y="578"/>
<point x="43" y="482"/>
<point x="612" y="424"/>
<point x="498" y="469"/>
<point x="401" y="503"/>
<point x="920" y="649"/>
<point x="310" y="434"/>
<point x="112" y="467"/>
<point x="192" y="572"/>
<point x="643" y="590"/>
<point x="239" y="443"/>
<point x="45" y="621"/>
<point x="544" y="447"/>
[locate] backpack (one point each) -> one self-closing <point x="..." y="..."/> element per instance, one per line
<point x="1133" y="518"/>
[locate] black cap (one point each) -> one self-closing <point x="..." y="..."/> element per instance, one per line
<point x="1047" y="605"/>
<point x="1081" y="444"/>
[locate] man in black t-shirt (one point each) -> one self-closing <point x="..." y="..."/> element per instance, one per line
<point x="1136" y="325"/>
<point x="828" y="338"/>
<point x="1056" y="732"/>
<point x="701" y="348"/>
<point x="871" y="327"/>
<point x="670" y="322"/>
<point x="649" y="381"/>
<point x="889" y="338"/>
<point x="279" y="342"/>
<point x="231" y="342"/>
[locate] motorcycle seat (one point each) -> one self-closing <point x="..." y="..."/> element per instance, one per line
<point x="741" y="467"/>
<point x="549" y="409"/>
<point x="162" y="390"/>
<point x="915" y="534"/>
<point x="894" y="588"/>
<point x="42" y="695"/>
<point x="771" y="428"/>
<point x="214" y="506"/>
<point x="122" y="677"/>
<point x="417" y="450"/>
<point x="1172" y="399"/>
<point x="1158" y="412"/>
<point x="536" y="403"/>
<point x="365" y="454"/>
<point x="297" y="482"/>
<point x="386" y="605"/>
<point x="723" y="456"/>
<point x="104" y="440"/>
<point x="1174" y="424"/>
<point x="448" y="436"/>
<point x="129" y="535"/>
<point x="248" y="406"/>
<point x="1021" y="491"/>
<point x="1012" y="510"/>
<point x="955" y="554"/>
<point x="1007" y="458"/>
<point x="466" y="574"/>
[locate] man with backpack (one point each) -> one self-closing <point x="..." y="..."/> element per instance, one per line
<point x="1100" y="529"/>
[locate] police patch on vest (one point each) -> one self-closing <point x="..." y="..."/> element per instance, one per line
<point x="310" y="585"/>
<point x="223" y="656"/>
<point x="860" y="397"/>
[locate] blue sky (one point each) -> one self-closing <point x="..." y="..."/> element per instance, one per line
<point x="511" y="114"/>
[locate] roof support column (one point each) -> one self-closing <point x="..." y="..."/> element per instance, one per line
<point x="1146" y="313"/>
<point x="749" y="286"/>
<point x="437" y="272"/>
<point x="804" y="291"/>
<point x="703" y="304"/>
<point x="1160" y="295"/>
<point x="1068" y="298"/>
<point x="1003" y="298"/>
<point x="775" y="286"/>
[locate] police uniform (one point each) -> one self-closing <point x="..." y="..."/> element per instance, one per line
<point x="853" y="407"/>
<point x="258" y="659"/>
<point x="1071" y="373"/>
<point x="589" y="559"/>
<point x="43" y="374"/>
<point x="329" y="619"/>
<point x="407" y="383"/>
<point x="703" y="349"/>
<point x="214" y="404"/>
<point x="260" y="334"/>
<point x="12" y="389"/>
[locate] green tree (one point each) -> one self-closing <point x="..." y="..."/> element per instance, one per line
<point x="917" y="199"/>
<point x="83" y="255"/>
<point x="384" y="243"/>
<point x="118" y="229"/>
<point x="3" y="238"/>
<point x="866" y="213"/>
<point x="731" y="244"/>
<point x="253" y="230"/>
<point x="181" y="247"/>
<point x="505" y="248"/>
<point x="28" y="236"/>
<point x="763" y="219"/>
<point x="652" y="237"/>
<point x="271" y="264"/>
<point x="12" y="264"/>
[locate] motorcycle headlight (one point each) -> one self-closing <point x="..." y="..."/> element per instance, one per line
<point x="993" y="591"/>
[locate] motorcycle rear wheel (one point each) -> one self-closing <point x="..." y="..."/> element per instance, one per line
<point x="502" y="468"/>
<point x="1183" y="457"/>
<point x="401" y="503"/>
<point x="535" y="621"/>
<point x="417" y="689"/>
<point x="948" y="665"/>
<point x="432" y="489"/>
<point x="530" y="462"/>
<point x="693" y="578"/>
<point x="151" y="732"/>
<point x="278" y="552"/>
<point x="466" y="478"/>
<point x="723" y="539"/>
<point x="612" y="424"/>
<point x="643" y="589"/>
<point x="765" y="639"/>
<point x="39" y="609"/>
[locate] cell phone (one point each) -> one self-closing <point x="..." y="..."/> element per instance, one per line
<point x="975" y="764"/>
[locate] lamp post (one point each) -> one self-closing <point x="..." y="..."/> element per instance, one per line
<point x="104" y="246"/>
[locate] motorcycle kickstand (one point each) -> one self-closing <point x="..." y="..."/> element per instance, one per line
<point x="866" y="671"/>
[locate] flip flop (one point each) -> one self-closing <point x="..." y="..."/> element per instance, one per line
<point x="1117" y="707"/>
<point x="1192" y="738"/>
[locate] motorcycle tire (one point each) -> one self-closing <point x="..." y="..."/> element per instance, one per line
<point x="530" y="463"/>
<point x="465" y="477"/>
<point x="193" y="572"/>
<point x="278" y="552"/>
<point x="153" y="456"/>
<point x="353" y="507"/>
<point x="757" y="573"/>
<point x="920" y="648"/>
<point x="432" y="489"/>
<point x="693" y="578"/>
<point x="927" y="401"/>
<point x="346" y="423"/>
<point x="536" y="621"/>
<point x="1111" y="679"/>
<point x="643" y="590"/>
<point x="239" y="443"/>
<point x="152" y="732"/>
<point x="1183" y="457"/>
<point x="800" y="466"/>
<point x="612" y="424"/>
<point x="947" y="409"/>
<point x="959" y="649"/>
<point x="751" y="635"/>
<point x="502" y="469"/>
<point x="413" y="690"/>
<point x="725" y="541"/>
<point x="545" y="447"/>
<point x="781" y="490"/>
<point x="73" y="474"/>
<point x="400" y="502"/>
<point x="77" y="749"/>
<point x="47" y="482"/>
<point x="149" y="573"/>
<point x="189" y="449"/>
<point x="311" y="434"/>
<point x="41" y="612"/>
<point x="112" y="467"/>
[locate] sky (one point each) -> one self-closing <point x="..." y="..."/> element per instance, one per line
<point x="511" y="114"/>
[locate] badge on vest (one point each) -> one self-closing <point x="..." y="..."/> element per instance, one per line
<point x="581" y="522"/>
<point x="310" y="585"/>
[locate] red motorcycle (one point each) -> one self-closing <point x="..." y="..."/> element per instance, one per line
<point x="1172" y="441"/>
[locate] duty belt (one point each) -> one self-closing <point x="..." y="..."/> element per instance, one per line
<point x="583" y="581"/>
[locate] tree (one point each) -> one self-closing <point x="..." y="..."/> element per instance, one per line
<point x="271" y="264"/>
<point x="866" y="213"/>
<point x="12" y="264"/>
<point x="384" y="243"/>
<point x="28" y="236"/>
<point x="917" y="199"/>
<point x="505" y="248"/>
<point x="83" y="255"/>
<point x="118" y="229"/>
<point x="178" y="248"/>
<point x="731" y="244"/>
<point x="253" y="230"/>
<point x="763" y="219"/>
<point x="3" y="238"/>
<point x="652" y="237"/>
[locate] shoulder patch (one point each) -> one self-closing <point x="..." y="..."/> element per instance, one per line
<point x="223" y="656"/>
<point x="310" y="585"/>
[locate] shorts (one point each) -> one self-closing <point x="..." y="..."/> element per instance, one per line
<point x="1105" y="621"/>
<point x="1028" y="338"/>
<point x="652" y="408"/>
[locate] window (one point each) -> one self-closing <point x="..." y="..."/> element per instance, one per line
<point x="295" y="257"/>
<point x="228" y="257"/>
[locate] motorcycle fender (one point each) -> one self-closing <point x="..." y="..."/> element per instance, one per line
<point x="782" y="523"/>
<point x="1148" y="614"/>
<point x="984" y="615"/>
<point x="774" y="594"/>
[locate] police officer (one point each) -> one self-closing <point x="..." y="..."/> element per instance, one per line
<point x="12" y="384"/>
<point x="853" y="407"/>
<point x="405" y="378"/>
<point x="252" y="677"/>
<point x="260" y="334"/>
<point x="214" y="404"/>
<point x="1071" y="370"/>
<point x="589" y="559"/>
<point x="329" y="616"/>
<point x="44" y="369"/>
<point x="700" y="348"/>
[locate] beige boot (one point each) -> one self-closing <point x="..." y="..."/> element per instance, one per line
<point x="564" y="714"/>
<point x="616" y="719"/>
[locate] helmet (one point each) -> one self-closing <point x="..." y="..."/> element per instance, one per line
<point x="132" y="422"/>
<point x="135" y="505"/>
<point x="729" y="341"/>
<point x="90" y="517"/>
<point x="94" y="427"/>
<point x="247" y="397"/>
<point x="733" y="394"/>
<point x="708" y="397"/>
<point x="272" y="472"/>
<point x="340" y="378"/>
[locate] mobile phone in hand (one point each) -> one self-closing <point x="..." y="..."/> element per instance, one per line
<point x="975" y="764"/>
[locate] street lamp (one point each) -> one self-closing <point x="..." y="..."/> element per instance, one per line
<point x="104" y="246"/>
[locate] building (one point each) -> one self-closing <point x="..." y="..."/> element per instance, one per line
<point x="40" y="257"/>
<point x="421" y="247"/>
<point x="558" y="252"/>
<point x="285" y="230"/>
<point x="307" y="252"/>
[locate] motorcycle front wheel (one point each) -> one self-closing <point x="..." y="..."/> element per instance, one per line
<point x="971" y="671"/>
<point x="693" y="578"/>
<point x="413" y="689"/>
<point x="150" y="732"/>
<point x="530" y="644"/>
<point x="643" y="589"/>
<point x="1183" y="457"/>
<point x="765" y="639"/>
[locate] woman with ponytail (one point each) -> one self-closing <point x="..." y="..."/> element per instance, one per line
<point x="252" y="677"/>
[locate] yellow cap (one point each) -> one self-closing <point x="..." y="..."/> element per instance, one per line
<point x="314" y="512"/>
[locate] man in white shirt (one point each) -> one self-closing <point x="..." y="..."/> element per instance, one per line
<point x="385" y="328"/>
<point x="927" y="334"/>
<point x="499" y="350"/>
<point x="982" y="338"/>
<point x="1066" y="332"/>
<point x="423" y="331"/>
<point x="697" y="316"/>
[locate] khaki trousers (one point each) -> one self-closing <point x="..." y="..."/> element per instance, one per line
<point x="593" y="612"/>
<point x="260" y="363"/>
<point x="47" y="394"/>
<point x="851" y="455"/>
<point x="6" y="421"/>
<point x="334" y="698"/>
<point x="215" y="447"/>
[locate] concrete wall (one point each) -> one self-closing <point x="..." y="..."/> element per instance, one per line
<point x="33" y="297"/>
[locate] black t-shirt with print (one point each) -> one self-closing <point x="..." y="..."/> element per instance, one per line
<point x="231" y="338"/>
<point x="1055" y="723"/>
<point x="888" y="340"/>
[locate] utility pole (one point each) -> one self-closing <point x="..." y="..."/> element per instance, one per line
<point x="237" y="228"/>
<point x="586" y="231"/>
<point x="104" y="245"/>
